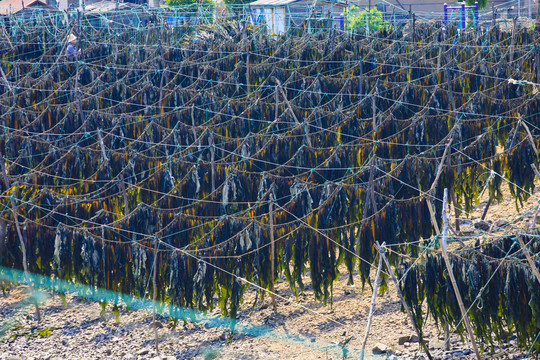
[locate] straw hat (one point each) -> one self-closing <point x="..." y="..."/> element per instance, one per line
<point x="72" y="38"/>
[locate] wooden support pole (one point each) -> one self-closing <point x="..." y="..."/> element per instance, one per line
<point x="372" y="184"/>
<point x="102" y="146"/>
<point x="381" y="249"/>
<point x="514" y="136"/>
<point x="535" y="171"/>
<point x="535" y="217"/>
<point x="161" y="81"/>
<point x="529" y="259"/>
<point x="538" y="209"/>
<point x="453" y="280"/>
<point x="372" y="307"/>
<point x="512" y="41"/>
<point x="456" y="212"/>
<point x="19" y="232"/>
<point x="361" y="85"/>
<point x="124" y="195"/>
<point x="246" y="45"/>
<point x="494" y="15"/>
<point x="374" y="111"/>
<point x="154" y="276"/>
<point x="450" y="92"/>
<point x="486" y="209"/>
<point x="530" y="137"/>
<point x="212" y="160"/>
<point x="193" y="128"/>
<point x="537" y="48"/>
<point x="272" y="249"/>
<point x="411" y="35"/>
<point x="7" y="37"/>
<point x="433" y="187"/>
<point x="276" y="113"/>
<point x="414" y="29"/>
<point x="432" y="216"/>
<point x="306" y="130"/>
<point x="439" y="77"/>
<point x="4" y="77"/>
<point x="370" y="193"/>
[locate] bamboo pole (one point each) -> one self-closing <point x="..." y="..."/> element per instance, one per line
<point x="531" y="139"/>
<point x="537" y="209"/>
<point x="306" y="129"/>
<point x="154" y="276"/>
<point x="537" y="48"/>
<point x="529" y="259"/>
<point x="372" y="307"/>
<point x="272" y="249"/>
<point x="212" y="160"/>
<point x="433" y="187"/>
<point x="193" y="128"/>
<point x="374" y="111"/>
<point x="124" y="194"/>
<point x="454" y="202"/>
<point x="453" y="280"/>
<point x="102" y="146"/>
<point x="19" y="232"/>
<point x="381" y="250"/>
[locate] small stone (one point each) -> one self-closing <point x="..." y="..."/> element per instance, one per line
<point x="482" y="225"/>
<point x="406" y="344"/>
<point x="404" y="339"/>
<point x="143" y="352"/>
<point x="499" y="224"/>
<point x="157" y="324"/>
<point x="380" y="348"/>
<point x="414" y="339"/>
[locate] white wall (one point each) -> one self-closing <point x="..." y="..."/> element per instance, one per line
<point x="273" y="17"/>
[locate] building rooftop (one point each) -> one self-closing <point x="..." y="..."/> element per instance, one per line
<point x="15" y="6"/>
<point x="289" y="2"/>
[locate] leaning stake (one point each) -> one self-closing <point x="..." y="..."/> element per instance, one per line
<point x="453" y="280"/>
<point x="19" y="233"/>
<point x="370" y="316"/>
<point x="382" y="251"/>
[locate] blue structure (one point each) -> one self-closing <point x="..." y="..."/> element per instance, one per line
<point x="463" y="9"/>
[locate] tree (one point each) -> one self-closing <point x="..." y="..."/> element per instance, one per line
<point x="482" y="4"/>
<point x="357" y="20"/>
<point x="175" y="3"/>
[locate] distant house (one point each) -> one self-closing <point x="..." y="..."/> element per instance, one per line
<point x="27" y="7"/>
<point x="280" y="15"/>
<point x="115" y="14"/>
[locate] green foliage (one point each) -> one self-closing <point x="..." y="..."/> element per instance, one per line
<point x="174" y="3"/>
<point x="482" y="4"/>
<point x="116" y="313"/>
<point x="357" y="20"/>
<point x="235" y="2"/>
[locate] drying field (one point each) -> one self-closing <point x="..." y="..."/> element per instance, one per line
<point x="209" y="167"/>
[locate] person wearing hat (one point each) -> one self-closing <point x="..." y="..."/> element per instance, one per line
<point x="71" y="49"/>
